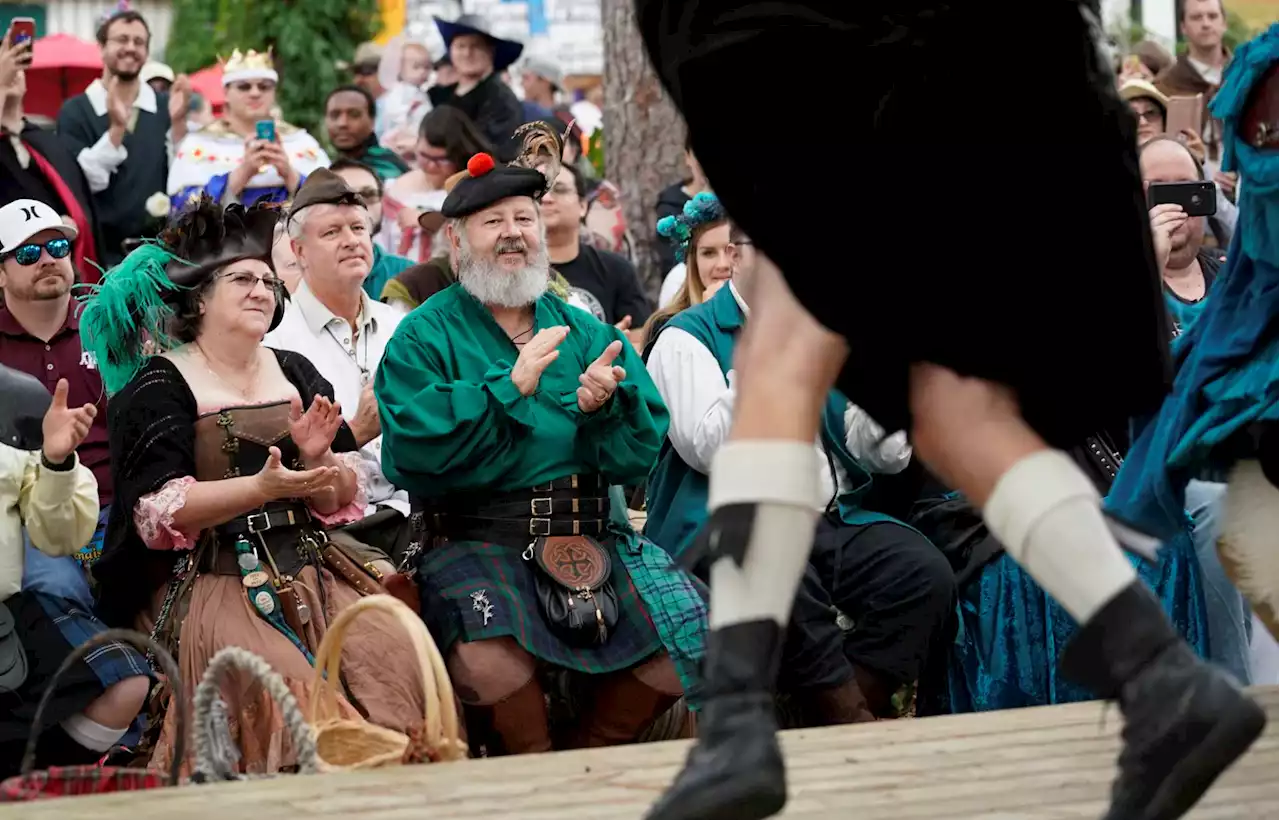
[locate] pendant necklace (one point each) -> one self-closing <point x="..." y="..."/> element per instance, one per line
<point x="351" y="353"/>
<point x="245" y="392"/>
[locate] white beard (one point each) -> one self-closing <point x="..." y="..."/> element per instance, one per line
<point x="490" y="283"/>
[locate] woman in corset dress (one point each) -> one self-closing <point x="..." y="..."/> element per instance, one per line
<point x="231" y="461"/>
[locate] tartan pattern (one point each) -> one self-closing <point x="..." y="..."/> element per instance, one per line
<point x="450" y="573"/>
<point x="112" y="662"/>
<point x="677" y="605"/>
<point x="70" y="781"/>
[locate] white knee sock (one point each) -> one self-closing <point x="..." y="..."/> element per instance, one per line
<point x="1248" y="542"/>
<point x="781" y="479"/>
<point x="91" y="734"/>
<point x="1048" y="515"/>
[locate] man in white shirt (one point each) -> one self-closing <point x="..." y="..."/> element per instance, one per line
<point x="332" y="322"/>
<point x="876" y="593"/>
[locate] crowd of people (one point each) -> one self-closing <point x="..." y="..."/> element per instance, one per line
<point x="246" y="382"/>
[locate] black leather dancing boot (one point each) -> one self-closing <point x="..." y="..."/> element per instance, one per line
<point x="735" y="770"/>
<point x="1185" y="721"/>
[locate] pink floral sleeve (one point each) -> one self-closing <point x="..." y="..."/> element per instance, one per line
<point x="354" y="511"/>
<point x="153" y="516"/>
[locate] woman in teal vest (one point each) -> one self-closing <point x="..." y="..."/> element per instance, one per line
<point x="876" y="591"/>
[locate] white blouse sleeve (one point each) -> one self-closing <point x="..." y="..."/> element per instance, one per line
<point x="697" y="394"/>
<point x="863" y="438"/>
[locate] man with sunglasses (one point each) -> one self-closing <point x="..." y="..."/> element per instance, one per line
<point x="40" y="336"/>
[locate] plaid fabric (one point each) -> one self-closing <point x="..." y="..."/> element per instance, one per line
<point x="112" y="662"/>
<point x="70" y="781"/>
<point x="674" y="599"/>
<point x="462" y="580"/>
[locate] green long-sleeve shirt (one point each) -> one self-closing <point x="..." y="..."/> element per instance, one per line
<point x="453" y="421"/>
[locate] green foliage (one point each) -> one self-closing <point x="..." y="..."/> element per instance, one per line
<point x="309" y="38"/>
<point x="595" y="152"/>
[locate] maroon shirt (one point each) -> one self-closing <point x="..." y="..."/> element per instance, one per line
<point x="63" y="358"/>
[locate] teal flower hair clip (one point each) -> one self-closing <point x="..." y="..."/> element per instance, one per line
<point x="678" y="230"/>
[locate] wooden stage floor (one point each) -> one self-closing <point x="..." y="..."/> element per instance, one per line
<point x="1027" y="764"/>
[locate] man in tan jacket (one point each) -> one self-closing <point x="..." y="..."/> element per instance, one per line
<point x="46" y="491"/>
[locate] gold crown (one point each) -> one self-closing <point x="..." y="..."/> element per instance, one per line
<point x="248" y="61"/>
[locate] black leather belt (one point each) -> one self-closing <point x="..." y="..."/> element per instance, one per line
<point x="514" y="530"/>
<point x="278" y="518"/>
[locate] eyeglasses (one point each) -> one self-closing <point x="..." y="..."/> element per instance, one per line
<point x="1148" y="115"/>
<point x="29" y="254"/>
<point x="124" y="41"/>
<point x="249" y="281"/>
<point x="244" y="87"/>
<point x="370" y="195"/>
<point x="564" y="190"/>
<point x="433" y="158"/>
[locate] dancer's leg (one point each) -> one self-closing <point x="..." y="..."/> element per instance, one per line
<point x="763" y="499"/>
<point x="1185" y="721"/>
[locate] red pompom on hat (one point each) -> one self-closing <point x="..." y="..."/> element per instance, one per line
<point x="479" y="165"/>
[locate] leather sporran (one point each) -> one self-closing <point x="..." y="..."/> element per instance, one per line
<point x="576" y="597"/>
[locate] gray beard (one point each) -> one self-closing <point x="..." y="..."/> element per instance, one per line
<point x="488" y="282"/>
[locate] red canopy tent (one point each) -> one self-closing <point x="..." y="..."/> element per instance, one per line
<point x="208" y="82"/>
<point x="61" y="67"/>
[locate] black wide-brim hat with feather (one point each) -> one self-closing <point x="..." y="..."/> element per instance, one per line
<point x="486" y="183"/>
<point x="136" y="300"/>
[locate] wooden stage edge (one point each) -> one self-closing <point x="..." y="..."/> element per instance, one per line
<point x="1028" y="764"/>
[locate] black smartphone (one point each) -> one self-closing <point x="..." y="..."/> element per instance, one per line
<point x="1196" y="198"/>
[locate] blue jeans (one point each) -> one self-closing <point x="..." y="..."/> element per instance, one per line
<point x="61" y="577"/>
<point x="1230" y="619"/>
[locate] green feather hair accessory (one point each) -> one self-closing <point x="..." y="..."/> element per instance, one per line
<point x="127" y="308"/>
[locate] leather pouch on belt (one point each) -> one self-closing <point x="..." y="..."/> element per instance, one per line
<point x="573" y="587"/>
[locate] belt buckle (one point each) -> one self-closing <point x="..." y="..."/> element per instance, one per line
<point x="535" y="524"/>
<point x="254" y="528"/>
<point x="540" y="513"/>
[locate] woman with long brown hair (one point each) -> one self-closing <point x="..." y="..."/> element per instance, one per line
<point x="700" y="236"/>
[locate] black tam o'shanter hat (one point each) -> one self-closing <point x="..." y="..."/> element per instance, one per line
<point x="485" y="183"/>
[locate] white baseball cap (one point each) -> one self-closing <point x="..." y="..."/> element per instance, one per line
<point x="24" y="218"/>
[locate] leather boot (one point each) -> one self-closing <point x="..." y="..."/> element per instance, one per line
<point x="836" y="705"/>
<point x="735" y="770"/>
<point x="1185" y="721"/>
<point x="621" y="708"/>
<point x="521" y="720"/>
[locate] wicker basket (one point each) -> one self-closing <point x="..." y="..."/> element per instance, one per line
<point x="68" y="781"/>
<point x="215" y="749"/>
<point x="343" y="743"/>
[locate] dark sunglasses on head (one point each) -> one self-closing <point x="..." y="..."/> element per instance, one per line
<point x="29" y="254"/>
<point x="365" y="69"/>
<point x="263" y="85"/>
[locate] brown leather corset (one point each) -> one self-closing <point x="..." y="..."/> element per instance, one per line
<point x="234" y="441"/>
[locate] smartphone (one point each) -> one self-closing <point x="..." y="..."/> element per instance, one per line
<point x="266" y="130"/>
<point x="1184" y="112"/>
<point x="23" y="30"/>
<point x="1196" y="198"/>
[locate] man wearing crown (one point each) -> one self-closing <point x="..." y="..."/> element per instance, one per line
<point x="511" y="418"/>
<point x="246" y="156"/>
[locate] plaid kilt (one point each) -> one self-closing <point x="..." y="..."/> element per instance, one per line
<point x="451" y="572"/>
<point x="50" y="628"/>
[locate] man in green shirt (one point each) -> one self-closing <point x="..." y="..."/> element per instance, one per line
<point x="511" y="417"/>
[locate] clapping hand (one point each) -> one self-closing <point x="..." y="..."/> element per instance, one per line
<point x="277" y="482"/>
<point x="535" y="357"/>
<point x="600" y="379"/>
<point x="313" y="431"/>
<point x="65" y="427"/>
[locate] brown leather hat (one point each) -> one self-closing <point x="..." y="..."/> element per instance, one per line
<point x="324" y="187"/>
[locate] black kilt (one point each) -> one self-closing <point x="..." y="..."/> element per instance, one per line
<point x="913" y="129"/>
<point x="50" y="628"/>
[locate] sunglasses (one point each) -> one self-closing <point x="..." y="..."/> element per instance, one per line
<point x="246" y="86"/>
<point x="29" y="254"/>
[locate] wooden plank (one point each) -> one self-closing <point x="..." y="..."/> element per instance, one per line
<point x="1050" y="763"/>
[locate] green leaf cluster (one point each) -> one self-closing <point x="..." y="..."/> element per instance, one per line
<point x="309" y="38"/>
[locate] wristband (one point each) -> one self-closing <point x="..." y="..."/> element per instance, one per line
<point x="65" y="466"/>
